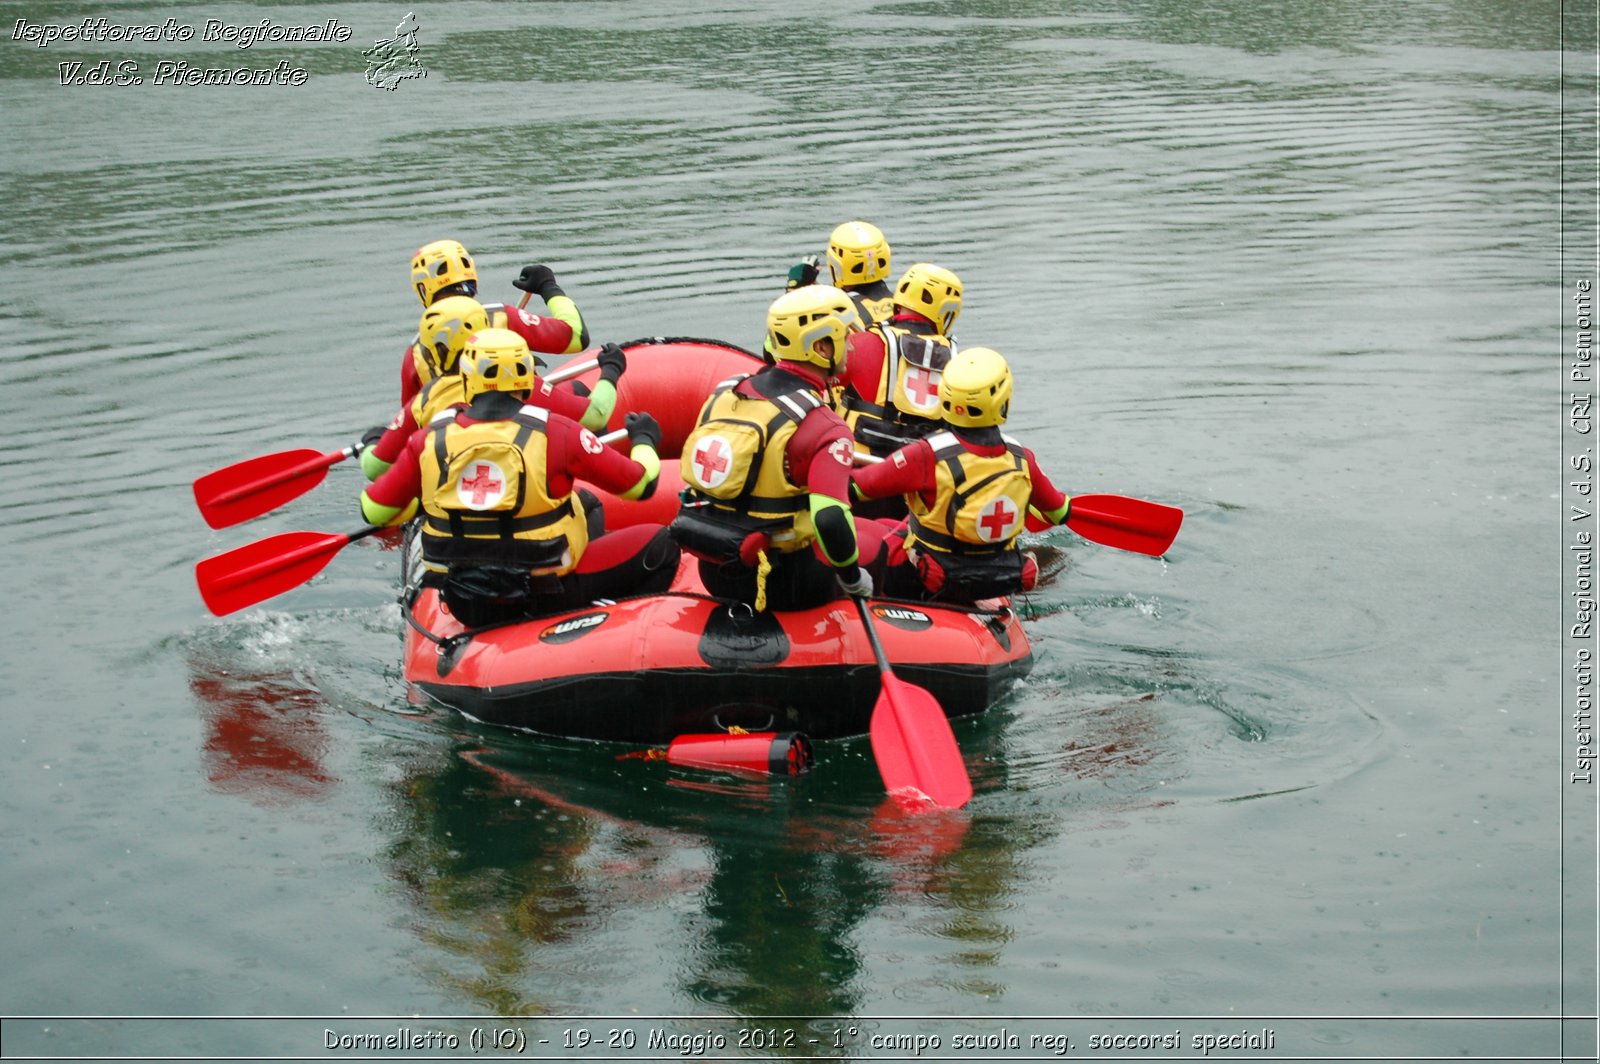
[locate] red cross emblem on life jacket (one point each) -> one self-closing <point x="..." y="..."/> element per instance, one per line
<point x="922" y="385"/>
<point x="483" y="484"/>
<point x="711" y="460"/>
<point x="996" y="520"/>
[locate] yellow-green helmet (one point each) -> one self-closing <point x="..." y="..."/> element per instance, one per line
<point x="932" y="291"/>
<point x="800" y="317"/>
<point x="496" y="360"/>
<point x="439" y="265"/>
<point x="445" y="328"/>
<point x="857" y="254"/>
<point x="975" y="388"/>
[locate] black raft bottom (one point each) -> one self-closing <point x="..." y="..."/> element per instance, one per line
<point x="654" y="707"/>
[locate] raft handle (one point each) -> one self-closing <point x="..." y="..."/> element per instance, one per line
<point x="716" y="718"/>
<point x="409" y="599"/>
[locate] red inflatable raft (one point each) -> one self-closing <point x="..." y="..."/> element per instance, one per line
<point x="649" y="669"/>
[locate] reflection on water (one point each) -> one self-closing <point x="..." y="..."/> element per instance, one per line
<point x="527" y="864"/>
<point x="265" y="736"/>
<point x="511" y="849"/>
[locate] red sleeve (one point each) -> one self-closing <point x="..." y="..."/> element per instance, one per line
<point x="1046" y="496"/>
<point x="410" y="383"/>
<point x="560" y="399"/>
<point x="549" y="335"/>
<point x="910" y="469"/>
<point x="863" y="367"/>
<point x="402" y="481"/>
<point x="820" y="454"/>
<point x="576" y="453"/>
<point x="395" y="436"/>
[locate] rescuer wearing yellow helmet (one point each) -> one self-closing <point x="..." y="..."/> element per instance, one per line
<point x="444" y="268"/>
<point x="892" y="381"/>
<point x="968" y="488"/>
<point x="890" y="390"/>
<point x="858" y="263"/>
<point x="504" y="534"/>
<point x="767" y="469"/>
<point x="443" y="331"/>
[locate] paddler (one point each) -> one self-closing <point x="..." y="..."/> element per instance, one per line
<point x="968" y="488"/>
<point x="858" y="263"/>
<point x="891" y="394"/>
<point x="504" y="535"/>
<point x="442" y="333"/>
<point x="444" y="268"/>
<point x="767" y="469"/>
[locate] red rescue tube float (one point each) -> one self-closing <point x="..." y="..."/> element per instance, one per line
<point x="658" y="667"/>
<point x="756" y="753"/>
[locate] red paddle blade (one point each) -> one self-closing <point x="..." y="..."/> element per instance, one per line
<point x="257" y="571"/>
<point x="916" y="751"/>
<point x="1127" y="524"/>
<point x="258" y="485"/>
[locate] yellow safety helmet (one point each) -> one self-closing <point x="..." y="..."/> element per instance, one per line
<point x="800" y="317"/>
<point x="496" y="360"/>
<point x="932" y="291"/>
<point x="858" y="254"/>
<point x="439" y="265"/>
<point x="975" y="388"/>
<point x="445" y="328"/>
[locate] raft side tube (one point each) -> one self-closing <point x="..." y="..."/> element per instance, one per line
<point x="705" y="667"/>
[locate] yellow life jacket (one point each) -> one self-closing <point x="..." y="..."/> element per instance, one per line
<point x="734" y="470"/>
<point x="914" y="358"/>
<point x="874" y="302"/>
<point x="980" y="502"/>
<point x="486" y="501"/>
<point x="436" y="396"/>
<point x="421" y="363"/>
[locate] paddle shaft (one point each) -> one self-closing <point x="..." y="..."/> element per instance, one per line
<point x="288" y="558"/>
<point x="306" y="470"/>
<point x="872" y="636"/>
<point x="571" y="370"/>
<point x="283" y="476"/>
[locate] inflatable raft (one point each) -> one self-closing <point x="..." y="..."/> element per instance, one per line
<point x="655" y="667"/>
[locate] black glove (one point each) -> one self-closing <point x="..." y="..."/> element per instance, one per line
<point x="642" y="428"/>
<point x="612" y="362"/>
<point x="373" y="435"/>
<point x="803" y="273"/>
<point x="535" y="279"/>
